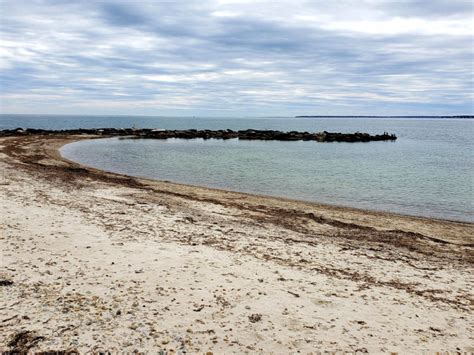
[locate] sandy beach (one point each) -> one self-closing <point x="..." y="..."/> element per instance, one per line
<point x="95" y="261"/>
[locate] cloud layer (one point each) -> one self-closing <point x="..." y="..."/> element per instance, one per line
<point x="236" y="57"/>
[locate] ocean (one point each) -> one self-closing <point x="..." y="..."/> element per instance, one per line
<point x="428" y="171"/>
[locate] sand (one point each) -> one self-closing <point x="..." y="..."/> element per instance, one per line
<point x="93" y="261"/>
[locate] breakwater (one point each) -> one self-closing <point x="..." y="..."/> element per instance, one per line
<point x="249" y="134"/>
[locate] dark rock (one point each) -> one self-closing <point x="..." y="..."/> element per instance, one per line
<point x="4" y="282"/>
<point x="22" y="342"/>
<point x="249" y="134"/>
<point x="254" y="318"/>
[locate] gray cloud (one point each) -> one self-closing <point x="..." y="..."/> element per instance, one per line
<point x="228" y="57"/>
<point x="434" y="8"/>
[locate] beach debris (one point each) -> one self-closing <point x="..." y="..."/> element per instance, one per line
<point x="5" y="282"/>
<point x="189" y="219"/>
<point x="199" y="309"/>
<point x="23" y="341"/>
<point x="220" y="300"/>
<point x="8" y="319"/>
<point x="294" y="294"/>
<point x="254" y="318"/>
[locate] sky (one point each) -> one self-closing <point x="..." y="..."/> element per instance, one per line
<point x="237" y="57"/>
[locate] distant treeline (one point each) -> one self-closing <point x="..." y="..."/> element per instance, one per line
<point x="318" y="116"/>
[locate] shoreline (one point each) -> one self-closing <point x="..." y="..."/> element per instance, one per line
<point x="105" y="261"/>
<point x="54" y="152"/>
<point x="257" y="195"/>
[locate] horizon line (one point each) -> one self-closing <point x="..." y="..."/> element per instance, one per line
<point x="246" y="116"/>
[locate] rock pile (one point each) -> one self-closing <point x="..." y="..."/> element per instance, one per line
<point x="249" y="134"/>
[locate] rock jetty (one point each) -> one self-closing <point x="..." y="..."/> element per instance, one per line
<point x="249" y="134"/>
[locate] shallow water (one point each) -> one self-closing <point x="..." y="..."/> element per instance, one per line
<point x="428" y="171"/>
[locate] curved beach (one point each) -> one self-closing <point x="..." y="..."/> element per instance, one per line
<point x="99" y="261"/>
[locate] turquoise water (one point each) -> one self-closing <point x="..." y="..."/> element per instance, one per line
<point x="428" y="171"/>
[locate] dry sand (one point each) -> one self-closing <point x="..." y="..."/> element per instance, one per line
<point x="95" y="261"/>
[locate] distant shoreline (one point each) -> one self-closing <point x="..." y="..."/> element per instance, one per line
<point x="368" y="116"/>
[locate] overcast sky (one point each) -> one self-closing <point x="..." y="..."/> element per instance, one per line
<point x="237" y="57"/>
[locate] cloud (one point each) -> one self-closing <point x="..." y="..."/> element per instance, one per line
<point x="427" y="9"/>
<point x="119" y="15"/>
<point x="236" y="57"/>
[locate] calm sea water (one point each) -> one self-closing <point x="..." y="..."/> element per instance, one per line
<point x="428" y="171"/>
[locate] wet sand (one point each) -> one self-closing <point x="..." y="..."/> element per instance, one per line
<point x="99" y="261"/>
